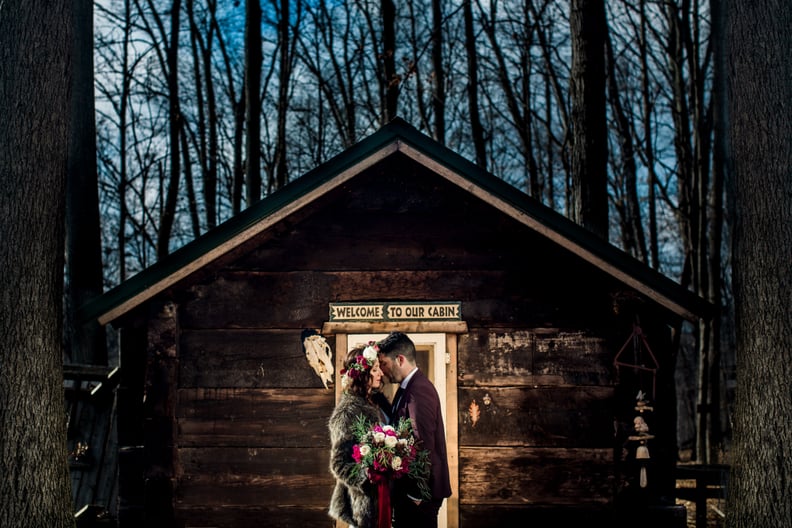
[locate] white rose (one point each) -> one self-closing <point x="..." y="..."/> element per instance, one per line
<point x="396" y="463"/>
<point x="387" y="428"/>
<point x="370" y="354"/>
<point x="365" y="449"/>
<point x="390" y="441"/>
<point x="378" y="437"/>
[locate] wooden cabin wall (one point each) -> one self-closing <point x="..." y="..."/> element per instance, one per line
<point x="133" y="343"/>
<point x="236" y="419"/>
<point x="253" y="446"/>
<point x="536" y="422"/>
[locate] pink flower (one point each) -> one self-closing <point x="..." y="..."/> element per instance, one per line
<point x="356" y="453"/>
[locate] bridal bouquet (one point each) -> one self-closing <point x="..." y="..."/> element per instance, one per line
<point x="386" y="452"/>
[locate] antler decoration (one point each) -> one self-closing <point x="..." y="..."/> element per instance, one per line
<point x="319" y="356"/>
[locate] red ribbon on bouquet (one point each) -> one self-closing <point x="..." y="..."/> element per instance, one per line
<point x="383" y="503"/>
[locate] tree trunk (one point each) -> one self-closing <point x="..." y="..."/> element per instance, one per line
<point x="238" y="111"/>
<point x="589" y="130"/>
<point x="438" y="79"/>
<point x="423" y="108"/>
<point x="85" y="341"/>
<point x="34" y="101"/>
<point x="476" y="130"/>
<point x="391" y="80"/>
<point x="206" y="108"/>
<point x="284" y="76"/>
<point x="716" y="203"/>
<point x="189" y="184"/>
<point x="210" y="176"/>
<point x="123" y="106"/>
<point x="253" y="59"/>
<point x="174" y="117"/>
<point x="759" y="40"/>
<point x="646" y="108"/>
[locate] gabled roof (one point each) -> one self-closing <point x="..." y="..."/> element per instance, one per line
<point x="396" y="136"/>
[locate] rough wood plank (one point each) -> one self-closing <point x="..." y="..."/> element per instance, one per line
<point x="252" y="516"/>
<point x="494" y="358"/>
<point x="244" y="358"/>
<point x="299" y="299"/>
<point x="521" y="516"/>
<point x="254" y="417"/>
<point x="521" y="476"/>
<point x="159" y="426"/>
<point x="577" y="356"/>
<point x="532" y="357"/>
<point x="440" y="223"/>
<point x="554" y="416"/>
<point x="264" y="477"/>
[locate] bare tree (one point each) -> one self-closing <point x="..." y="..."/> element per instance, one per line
<point x="114" y="88"/>
<point x="253" y="59"/>
<point x="425" y="85"/>
<point x="286" y="57"/>
<point x="335" y="58"/>
<point x="438" y="73"/>
<point x="390" y="79"/>
<point x="625" y="188"/>
<point x="171" y="67"/>
<point x="85" y="341"/>
<point x="202" y="38"/>
<point x="715" y="270"/>
<point x="238" y="111"/>
<point x="758" y="40"/>
<point x="34" y="101"/>
<point x="647" y="128"/>
<point x="476" y="128"/>
<point x="690" y="72"/>
<point x="589" y="130"/>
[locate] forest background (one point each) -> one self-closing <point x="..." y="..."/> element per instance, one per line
<point x="144" y="124"/>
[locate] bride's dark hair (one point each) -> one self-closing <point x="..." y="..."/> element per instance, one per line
<point x="359" y="384"/>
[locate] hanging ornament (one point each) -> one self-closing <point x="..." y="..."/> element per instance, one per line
<point x="642" y="436"/>
<point x="475" y="412"/>
<point x="643" y="359"/>
<point x="642" y="453"/>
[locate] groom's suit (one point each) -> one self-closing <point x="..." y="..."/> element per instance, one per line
<point x="420" y="402"/>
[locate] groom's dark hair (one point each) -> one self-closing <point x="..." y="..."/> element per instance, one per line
<point x="398" y="343"/>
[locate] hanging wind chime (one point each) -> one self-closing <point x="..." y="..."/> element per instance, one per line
<point x="643" y="361"/>
<point x="642" y="436"/>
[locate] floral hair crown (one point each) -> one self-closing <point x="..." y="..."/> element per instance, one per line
<point x="359" y="364"/>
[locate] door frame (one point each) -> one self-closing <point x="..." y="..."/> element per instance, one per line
<point x="415" y="330"/>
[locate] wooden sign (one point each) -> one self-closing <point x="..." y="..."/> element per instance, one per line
<point x="396" y="311"/>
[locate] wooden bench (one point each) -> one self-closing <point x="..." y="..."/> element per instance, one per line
<point x="711" y="483"/>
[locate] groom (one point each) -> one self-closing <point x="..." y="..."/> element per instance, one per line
<point x="416" y="398"/>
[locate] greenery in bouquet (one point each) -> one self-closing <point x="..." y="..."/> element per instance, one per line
<point x="390" y="452"/>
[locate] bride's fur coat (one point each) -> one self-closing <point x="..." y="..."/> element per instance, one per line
<point x="354" y="498"/>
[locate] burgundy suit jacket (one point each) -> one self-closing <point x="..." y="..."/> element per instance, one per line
<point x="420" y="402"/>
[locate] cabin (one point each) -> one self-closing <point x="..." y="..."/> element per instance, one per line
<point x="545" y="343"/>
